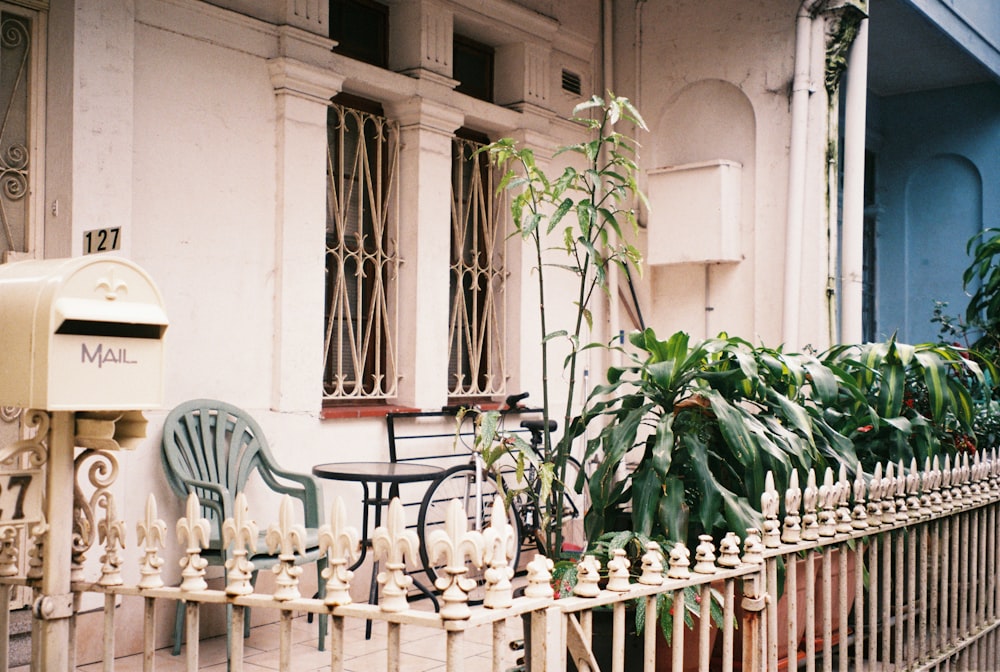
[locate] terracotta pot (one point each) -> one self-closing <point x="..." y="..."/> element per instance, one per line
<point x="852" y="568"/>
<point x="665" y="653"/>
<point x="633" y="650"/>
<point x="783" y="618"/>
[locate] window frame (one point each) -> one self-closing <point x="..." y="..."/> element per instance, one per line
<point x="366" y="311"/>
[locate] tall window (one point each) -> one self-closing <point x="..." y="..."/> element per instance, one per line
<point x="361" y="29"/>
<point x="361" y="256"/>
<point x="476" y="341"/>
<point x="15" y="97"/>
<point x="472" y="66"/>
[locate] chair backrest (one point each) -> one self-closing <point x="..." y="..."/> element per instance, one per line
<point x="211" y="448"/>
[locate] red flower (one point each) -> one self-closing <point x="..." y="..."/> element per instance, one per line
<point x="865" y="428"/>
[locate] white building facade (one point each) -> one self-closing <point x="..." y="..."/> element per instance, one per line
<point x="317" y="260"/>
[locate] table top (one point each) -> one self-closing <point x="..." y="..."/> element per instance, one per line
<point x="378" y="472"/>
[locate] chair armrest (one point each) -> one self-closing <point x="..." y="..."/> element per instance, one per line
<point x="310" y="494"/>
<point x="221" y="506"/>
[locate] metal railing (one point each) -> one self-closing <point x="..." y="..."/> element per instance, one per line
<point x="897" y="570"/>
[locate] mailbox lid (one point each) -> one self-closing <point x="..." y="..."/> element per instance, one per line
<point x="66" y="320"/>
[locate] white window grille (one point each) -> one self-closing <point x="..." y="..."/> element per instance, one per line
<point x="15" y="97"/>
<point x="477" y="330"/>
<point x="361" y="256"/>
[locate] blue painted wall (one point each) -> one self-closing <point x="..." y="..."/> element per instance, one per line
<point x="938" y="183"/>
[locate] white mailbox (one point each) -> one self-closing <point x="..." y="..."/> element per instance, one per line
<point x="80" y="334"/>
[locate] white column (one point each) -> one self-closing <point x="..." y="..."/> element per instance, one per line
<point x="852" y="241"/>
<point x="425" y="158"/>
<point x="302" y="94"/>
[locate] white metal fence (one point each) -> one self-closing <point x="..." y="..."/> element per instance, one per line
<point x="894" y="571"/>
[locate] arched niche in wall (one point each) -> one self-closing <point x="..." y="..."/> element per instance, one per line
<point x="921" y="250"/>
<point x="707" y="123"/>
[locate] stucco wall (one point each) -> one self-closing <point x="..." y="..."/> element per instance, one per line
<point x="713" y="82"/>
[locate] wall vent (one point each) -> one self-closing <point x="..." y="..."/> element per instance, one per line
<point x="571" y="82"/>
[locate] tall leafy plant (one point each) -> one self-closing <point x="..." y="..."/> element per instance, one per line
<point x="574" y="223"/>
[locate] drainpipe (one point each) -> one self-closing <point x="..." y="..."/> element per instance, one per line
<point x="795" y="217"/>
<point x="852" y="240"/>
<point x="614" y="279"/>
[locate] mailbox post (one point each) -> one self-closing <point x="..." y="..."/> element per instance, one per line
<point x="81" y="338"/>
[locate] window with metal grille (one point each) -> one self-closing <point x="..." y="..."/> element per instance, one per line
<point x="361" y="256"/>
<point x="16" y="93"/>
<point x="477" y="329"/>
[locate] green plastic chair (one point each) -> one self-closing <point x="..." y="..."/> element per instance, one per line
<point x="211" y="448"/>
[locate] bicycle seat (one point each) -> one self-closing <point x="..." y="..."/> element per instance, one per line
<point x="538" y="425"/>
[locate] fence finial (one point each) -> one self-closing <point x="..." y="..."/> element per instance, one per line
<point x="341" y="541"/>
<point x="152" y="532"/>
<point x="926" y="481"/>
<point x="652" y="565"/>
<point x="704" y="554"/>
<point x="966" y="478"/>
<point x="957" y="479"/>
<point x="769" y="507"/>
<point x="792" y="532"/>
<point x="241" y="531"/>
<point x="588" y="576"/>
<point x="946" y="474"/>
<point x="859" y="517"/>
<point x="192" y="533"/>
<point x="111" y="532"/>
<point x="397" y="544"/>
<point x="729" y="550"/>
<point x="902" y="505"/>
<point x="679" y="562"/>
<point x="828" y="496"/>
<point x="499" y="539"/>
<point x="913" y="490"/>
<point x="753" y="549"/>
<point x="889" y="494"/>
<point x="810" y="526"/>
<point x="618" y="575"/>
<point x="286" y="537"/>
<point x="875" y="497"/>
<point x="455" y="542"/>
<point x="539" y="577"/>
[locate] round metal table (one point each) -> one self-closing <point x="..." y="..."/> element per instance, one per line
<point x="379" y="474"/>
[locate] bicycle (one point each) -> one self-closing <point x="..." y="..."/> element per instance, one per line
<point x="476" y="488"/>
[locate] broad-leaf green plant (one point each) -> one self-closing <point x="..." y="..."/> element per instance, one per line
<point x="917" y="400"/>
<point x="704" y="421"/>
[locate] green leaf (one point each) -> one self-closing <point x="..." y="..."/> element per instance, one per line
<point x="890" y="399"/>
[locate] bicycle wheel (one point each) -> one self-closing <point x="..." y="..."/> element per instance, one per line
<point x="574" y="506"/>
<point x="459" y="483"/>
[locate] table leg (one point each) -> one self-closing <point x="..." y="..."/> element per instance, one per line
<point x="373" y="586"/>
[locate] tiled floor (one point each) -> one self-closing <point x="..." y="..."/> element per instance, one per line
<point x="423" y="650"/>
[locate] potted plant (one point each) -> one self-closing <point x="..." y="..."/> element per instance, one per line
<point x="708" y="420"/>
<point x="703" y="422"/>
